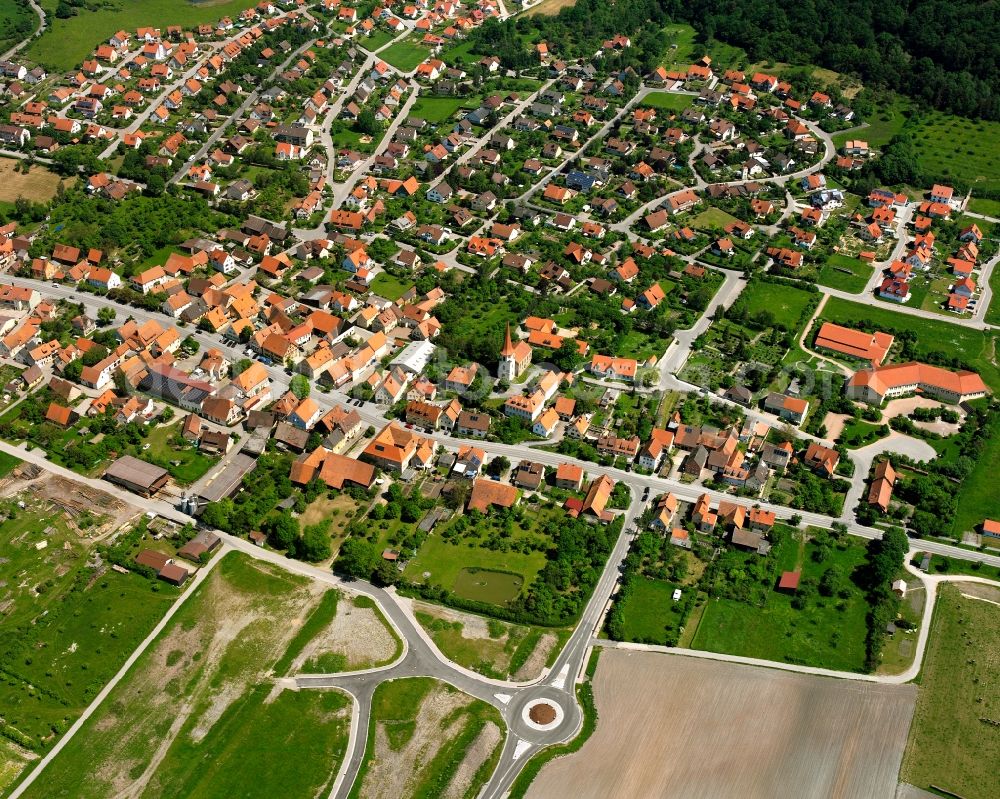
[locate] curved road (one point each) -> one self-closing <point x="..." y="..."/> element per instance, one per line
<point x="38" y="32"/>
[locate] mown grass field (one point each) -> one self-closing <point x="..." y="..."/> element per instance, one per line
<point x="949" y="746"/>
<point x="785" y="303"/>
<point x="389" y="286"/>
<point x="977" y="499"/>
<point x="975" y="347"/>
<point x="445" y="562"/>
<point x="67" y="42"/>
<point x="185" y="464"/>
<point x="668" y="101"/>
<point x="886" y="122"/>
<point x="856" y="277"/>
<point x="646" y="611"/>
<point x="405" y="55"/>
<point x="195" y="697"/>
<point x="712" y="218"/>
<point x="376" y="39"/>
<point x="947" y="146"/>
<point x="986" y="206"/>
<point x="438" y="109"/>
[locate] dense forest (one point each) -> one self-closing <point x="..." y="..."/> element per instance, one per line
<point x="946" y="54"/>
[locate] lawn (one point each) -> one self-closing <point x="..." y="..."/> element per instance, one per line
<point x="975" y="347"/>
<point x="421" y="741"/>
<point x="668" y="101"/>
<point x="712" y="218"/>
<point x="389" y="286"/>
<point x="887" y="122"/>
<point x="785" y="303"/>
<point x="378" y="38"/>
<point x="67" y="42"/>
<point x="828" y="632"/>
<point x="438" y="109"/>
<point x="185" y="464"/>
<point x="977" y="499"/>
<point x="405" y="55"/>
<point x="640" y="345"/>
<point x="647" y="609"/>
<point x="39" y="185"/>
<point x="949" y="745"/>
<point x="844" y="273"/>
<point x="7" y="463"/>
<point x="461" y="52"/>
<point x="192" y="692"/>
<point x="859" y="433"/>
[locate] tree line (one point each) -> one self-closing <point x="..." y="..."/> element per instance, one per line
<point x="926" y="49"/>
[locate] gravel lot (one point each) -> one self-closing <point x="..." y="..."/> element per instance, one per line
<point x="671" y="726"/>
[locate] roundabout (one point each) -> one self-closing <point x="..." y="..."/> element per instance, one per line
<point x="543" y="715"/>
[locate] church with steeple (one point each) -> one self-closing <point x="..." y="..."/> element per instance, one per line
<point x="514" y="359"/>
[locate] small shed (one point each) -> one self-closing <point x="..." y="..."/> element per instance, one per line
<point x="789" y="581"/>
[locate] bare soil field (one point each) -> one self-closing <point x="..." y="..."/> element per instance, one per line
<point x="671" y="726"/>
<point x="834" y="424"/>
<point x="39" y="185"/>
<point x="358" y="634"/>
<point x="429" y="736"/>
<point x="549" y="7"/>
<point x="103" y="512"/>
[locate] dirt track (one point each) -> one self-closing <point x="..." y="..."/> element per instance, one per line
<point x="672" y="726"/>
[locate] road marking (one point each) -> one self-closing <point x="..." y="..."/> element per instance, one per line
<point x="505" y="698"/>
<point x="521" y="748"/>
<point x="560" y="680"/>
